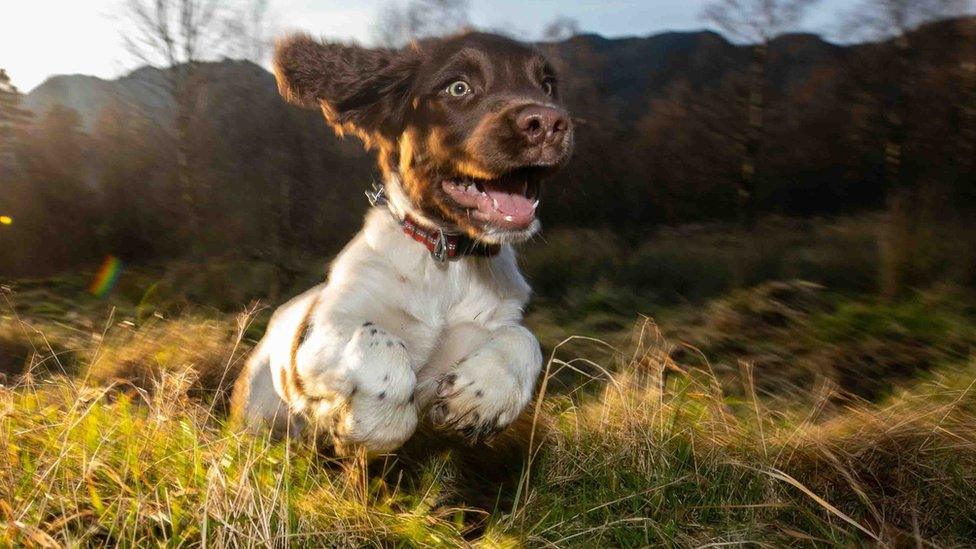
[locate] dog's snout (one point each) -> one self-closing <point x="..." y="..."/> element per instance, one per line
<point x="540" y="124"/>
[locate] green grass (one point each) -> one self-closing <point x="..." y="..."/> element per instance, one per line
<point x="654" y="456"/>
<point x="764" y="409"/>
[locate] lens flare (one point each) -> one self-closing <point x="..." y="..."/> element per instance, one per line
<point x="6" y="220"/>
<point x="106" y="277"/>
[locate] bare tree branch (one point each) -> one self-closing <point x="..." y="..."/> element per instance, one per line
<point x="561" y="28"/>
<point x="398" y="24"/>
<point x="755" y="21"/>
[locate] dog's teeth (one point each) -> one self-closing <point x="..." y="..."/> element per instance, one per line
<point x="535" y="204"/>
<point x="509" y="218"/>
<point x="525" y="187"/>
<point x="494" y="203"/>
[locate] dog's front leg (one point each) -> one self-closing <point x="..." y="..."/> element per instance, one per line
<point x="357" y="381"/>
<point x="488" y="389"/>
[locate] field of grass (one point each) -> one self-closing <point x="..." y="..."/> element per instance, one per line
<point x="757" y="410"/>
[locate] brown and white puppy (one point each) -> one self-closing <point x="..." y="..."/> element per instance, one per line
<point x="422" y="310"/>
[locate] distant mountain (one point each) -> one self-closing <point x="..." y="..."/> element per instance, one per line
<point x="85" y="94"/>
<point x="145" y="87"/>
<point x="88" y="95"/>
<point x="628" y="71"/>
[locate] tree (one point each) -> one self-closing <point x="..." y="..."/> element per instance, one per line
<point x="176" y="35"/>
<point x="14" y="120"/>
<point x="173" y="35"/>
<point x="14" y="124"/>
<point x="893" y="88"/>
<point x="52" y="204"/>
<point x="757" y="22"/>
<point x="248" y="30"/>
<point x="893" y="21"/>
<point x="398" y="24"/>
<point x="561" y="28"/>
<point x="133" y="225"/>
<point x="966" y="107"/>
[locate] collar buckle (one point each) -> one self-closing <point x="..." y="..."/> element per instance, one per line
<point x="441" y="251"/>
<point x="377" y="197"/>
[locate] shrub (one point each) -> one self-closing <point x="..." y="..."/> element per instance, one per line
<point x="568" y="260"/>
<point x="794" y="332"/>
<point x="669" y="274"/>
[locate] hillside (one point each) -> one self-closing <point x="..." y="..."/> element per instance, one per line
<point x="145" y="88"/>
<point x="630" y="71"/>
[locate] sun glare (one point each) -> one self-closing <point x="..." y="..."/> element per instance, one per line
<point x="6" y="220"/>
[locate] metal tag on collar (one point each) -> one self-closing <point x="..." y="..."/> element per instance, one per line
<point x="440" y="252"/>
<point x="377" y="197"/>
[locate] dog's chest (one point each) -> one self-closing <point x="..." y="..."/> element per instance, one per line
<point x="420" y="299"/>
<point x="440" y="297"/>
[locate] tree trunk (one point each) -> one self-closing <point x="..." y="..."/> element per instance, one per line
<point x="899" y="243"/>
<point x="895" y="116"/>
<point x="750" y="169"/>
<point x="185" y="98"/>
<point x="966" y="145"/>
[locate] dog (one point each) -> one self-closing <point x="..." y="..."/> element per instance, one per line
<point x="421" y="314"/>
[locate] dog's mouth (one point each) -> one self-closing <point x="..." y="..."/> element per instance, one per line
<point x="508" y="203"/>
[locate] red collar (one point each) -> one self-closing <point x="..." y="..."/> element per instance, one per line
<point x="444" y="246"/>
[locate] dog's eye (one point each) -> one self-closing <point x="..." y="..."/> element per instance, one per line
<point x="548" y="86"/>
<point x="459" y="88"/>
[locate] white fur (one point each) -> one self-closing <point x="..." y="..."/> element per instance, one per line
<point x="445" y="338"/>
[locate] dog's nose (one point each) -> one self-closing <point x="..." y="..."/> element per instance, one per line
<point x="541" y="124"/>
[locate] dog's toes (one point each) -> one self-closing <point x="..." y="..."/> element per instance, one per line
<point x="477" y="400"/>
<point x="448" y="386"/>
<point x="438" y="414"/>
<point x="471" y="434"/>
<point x="470" y="425"/>
<point x="481" y="432"/>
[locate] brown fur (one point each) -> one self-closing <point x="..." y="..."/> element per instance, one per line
<point x="396" y="102"/>
<point x="292" y="382"/>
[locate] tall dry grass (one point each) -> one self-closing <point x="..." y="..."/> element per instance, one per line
<point x="644" y="453"/>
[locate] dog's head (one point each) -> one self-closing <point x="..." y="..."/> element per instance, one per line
<point x="471" y="125"/>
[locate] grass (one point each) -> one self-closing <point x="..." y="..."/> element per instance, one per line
<point x="651" y="454"/>
<point x="779" y="403"/>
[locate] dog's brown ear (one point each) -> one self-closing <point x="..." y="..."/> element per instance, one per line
<point x="359" y="89"/>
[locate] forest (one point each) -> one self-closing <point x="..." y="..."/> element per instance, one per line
<point x="674" y="128"/>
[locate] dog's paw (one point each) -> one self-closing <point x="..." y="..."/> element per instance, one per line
<point x="479" y="398"/>
<point x="379" y="414"/>
<point x="375" y="422"/>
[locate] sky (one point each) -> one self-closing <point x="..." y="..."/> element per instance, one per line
<point x="39" y="38"/>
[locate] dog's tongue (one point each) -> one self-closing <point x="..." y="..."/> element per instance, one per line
<point x="510" y="210"/>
